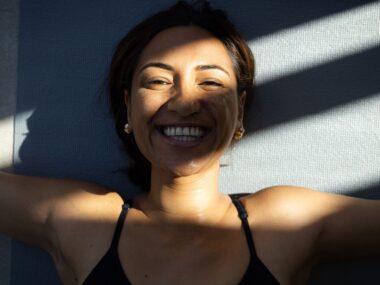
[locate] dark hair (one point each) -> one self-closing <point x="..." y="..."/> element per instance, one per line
<point x="127" y="54"/>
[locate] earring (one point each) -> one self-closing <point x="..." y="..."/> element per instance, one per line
<point x="239" y="133"/>
<point x="127" y="129"/>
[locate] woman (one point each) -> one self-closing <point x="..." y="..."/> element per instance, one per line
<point x="178" y="84"/>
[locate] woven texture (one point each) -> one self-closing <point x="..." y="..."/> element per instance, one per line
<point x="314" y="121"/>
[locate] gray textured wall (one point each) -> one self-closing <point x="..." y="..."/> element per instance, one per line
<point x="314" y="120"/>
<point x="8" y="82"/>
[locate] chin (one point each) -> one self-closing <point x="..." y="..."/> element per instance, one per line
<point x="187" y="168"/>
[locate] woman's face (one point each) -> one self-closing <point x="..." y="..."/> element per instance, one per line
<point x="183" y="107"/>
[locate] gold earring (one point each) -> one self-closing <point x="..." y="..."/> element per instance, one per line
<point x="127" y="129"/>
<point x="239" y="133"/>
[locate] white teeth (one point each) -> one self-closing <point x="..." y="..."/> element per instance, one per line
<point x="171" y="132"/>
<point x="184" y="133"/>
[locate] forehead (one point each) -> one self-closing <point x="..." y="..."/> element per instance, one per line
<point x="186" y="44"/>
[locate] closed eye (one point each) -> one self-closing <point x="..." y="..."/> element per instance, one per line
<point x="209" y="82"/>
<point x="158" y="82"/>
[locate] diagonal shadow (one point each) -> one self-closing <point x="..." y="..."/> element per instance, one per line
<point x="369" y="192"/>
<point x="315" y="90"/>
<point x="78" y="31"/>
<point x="60" y="82"/>
<point x="267" y="17"/>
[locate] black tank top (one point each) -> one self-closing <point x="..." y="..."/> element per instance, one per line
<point x="109" y="270"/>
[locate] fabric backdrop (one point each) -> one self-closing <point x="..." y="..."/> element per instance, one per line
<point x="314" y="121"/>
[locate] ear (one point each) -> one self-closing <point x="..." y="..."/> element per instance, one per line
<point x="241" y="103"/>
<point x="127" y="102"/>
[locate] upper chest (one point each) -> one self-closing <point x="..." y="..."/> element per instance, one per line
<point x="165" y="253"/>
<point x="184" y="254"/>
<point x="170" y="254"/>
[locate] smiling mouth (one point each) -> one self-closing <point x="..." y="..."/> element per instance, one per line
<point x="184" y="133"/>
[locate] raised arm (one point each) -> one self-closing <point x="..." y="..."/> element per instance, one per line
<point x="295" y="228"/>
<point x="336" y="226"/>
<point x="27" y="205"/>
<point x="350" y="227"/>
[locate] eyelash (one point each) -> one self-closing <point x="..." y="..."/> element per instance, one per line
<point x="161" y="82"/>
<point x="212" y="83"/>
<point x="158" y="82"/>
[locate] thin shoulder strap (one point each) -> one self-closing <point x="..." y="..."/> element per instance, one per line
<point x="120" y="222"/>
<point x="262" y="273"/>
<point x="243" y="215"/>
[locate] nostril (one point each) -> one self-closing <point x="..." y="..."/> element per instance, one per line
<point x="184" y="107"/>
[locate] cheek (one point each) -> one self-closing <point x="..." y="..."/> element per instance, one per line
<point x="230" y="102"/>
<point x="227" y="110"/>
<point x="226" y="113"/>
<point x="144" y="106"/>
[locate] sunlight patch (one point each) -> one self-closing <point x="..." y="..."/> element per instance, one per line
<point x="317" y="42"/>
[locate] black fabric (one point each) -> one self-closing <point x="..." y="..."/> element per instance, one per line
<point x="109" y="270"/>
<point x="257" y="272"/>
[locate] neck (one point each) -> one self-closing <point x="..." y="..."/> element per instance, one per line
<point x="194" y="198"/>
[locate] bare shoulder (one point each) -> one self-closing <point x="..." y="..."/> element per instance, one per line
<point x="279" y="192"/>
<point x="67" y="218"/>
<point x="81" y="203"/>
<point x="83" y="223"/>
<point x="298" y="204"/>
<point x="77" y="204"/>
<point x="37" y="205"/>
<point x="79" y="195"/>
<point x="285" y="225"/>
<point x="67" y="199"/>
<point x="299" y="209"/>
<point x="289" y="202"/>
<point x="294" y="226"/>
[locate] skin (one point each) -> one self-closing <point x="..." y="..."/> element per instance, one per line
<point x="184" y="175"/>
<point x="188" y="232"/>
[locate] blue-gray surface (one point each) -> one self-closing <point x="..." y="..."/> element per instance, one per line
<point x="314" y="121"/>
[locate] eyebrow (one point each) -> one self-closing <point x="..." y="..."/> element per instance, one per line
<point x="170" y="68"/>
<point x="158" y="65"/>
<point x="211" y="66"/>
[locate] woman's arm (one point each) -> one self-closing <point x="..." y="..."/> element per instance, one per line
<point x="28" y="205"/>
<point x="350" y="227"/>
<point x="337" y="226"/>
<point x="295" y="228"/>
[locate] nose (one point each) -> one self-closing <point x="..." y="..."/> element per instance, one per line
<point x="185" y="101"/>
